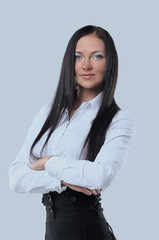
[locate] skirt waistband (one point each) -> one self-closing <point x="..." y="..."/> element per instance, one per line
<point x="69" y="197"/>
<point x="70" y="204"/>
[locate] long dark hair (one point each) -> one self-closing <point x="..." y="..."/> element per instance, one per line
<point x="65" y="95"/>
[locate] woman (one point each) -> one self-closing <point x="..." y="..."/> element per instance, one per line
<point x="77" y="145"/>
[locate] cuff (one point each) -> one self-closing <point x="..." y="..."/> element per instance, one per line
<point x="68" y="170"/>
<point x="59" y="188"/>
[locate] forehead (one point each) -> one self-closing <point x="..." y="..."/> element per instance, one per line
<point x="90" y="43"/>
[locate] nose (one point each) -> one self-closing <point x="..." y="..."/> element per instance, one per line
<point x="87" y="65"/>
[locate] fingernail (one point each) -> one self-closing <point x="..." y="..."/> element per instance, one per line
<point x="94" y="192"/>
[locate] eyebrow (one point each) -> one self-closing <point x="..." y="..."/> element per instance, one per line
<point x="91" y="53"/>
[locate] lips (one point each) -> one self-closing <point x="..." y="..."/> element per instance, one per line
<point x="87" y="75"/>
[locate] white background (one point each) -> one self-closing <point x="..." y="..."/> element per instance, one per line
<point x="33" y="38"/>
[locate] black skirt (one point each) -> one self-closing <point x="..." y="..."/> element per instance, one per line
<point x="72" y="215"/>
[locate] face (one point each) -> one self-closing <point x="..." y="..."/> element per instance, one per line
<point x="90" y="62"/>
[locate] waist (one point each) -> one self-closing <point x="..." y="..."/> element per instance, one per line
<point x="69" y="197"/>
<point x="72" y="204"/>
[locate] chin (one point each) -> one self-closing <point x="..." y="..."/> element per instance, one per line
<point x="89" y="86"/>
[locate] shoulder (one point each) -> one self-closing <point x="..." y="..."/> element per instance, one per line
<point x="44" y="111"/>
<point x="41" y="115"/>
<point x="123" y="123"/>
<point x="123" y="117"/>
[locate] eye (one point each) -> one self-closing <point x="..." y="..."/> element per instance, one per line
<point x="97" y="56"/>
<point x="78" y="57"/>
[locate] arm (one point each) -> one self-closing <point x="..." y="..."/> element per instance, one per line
<point x="108" y="163"/>
<point x="25" y="180"/>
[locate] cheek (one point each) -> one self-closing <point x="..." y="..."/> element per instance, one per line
<point x="78" y="67"/>
<point x="100" y="68"/>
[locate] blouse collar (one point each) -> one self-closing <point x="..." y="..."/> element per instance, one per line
<point x="96" y="102"/>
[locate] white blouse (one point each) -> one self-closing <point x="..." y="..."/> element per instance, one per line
<point x="66" y="143"/>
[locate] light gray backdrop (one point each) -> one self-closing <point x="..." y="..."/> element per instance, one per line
<point x="33" y="37"/>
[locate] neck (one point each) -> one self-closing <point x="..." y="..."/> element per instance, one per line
<point x="85" y="95"/>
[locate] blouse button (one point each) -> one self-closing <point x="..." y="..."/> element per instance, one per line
<point x="73" y="199"/>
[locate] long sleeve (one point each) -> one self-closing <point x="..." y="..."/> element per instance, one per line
<point x="108" y="163"/>
<point x="22" y="179"/>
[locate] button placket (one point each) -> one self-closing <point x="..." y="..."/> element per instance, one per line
<point x="51" y="209"/>
<point x="48" y="202"/>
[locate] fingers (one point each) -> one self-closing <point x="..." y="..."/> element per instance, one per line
<point x="98" y="191"/>
<point x="77" y="188"/>
<point x="90" y="191"/>
<point x="95" y="191"/>
<point x="84" y="190"/>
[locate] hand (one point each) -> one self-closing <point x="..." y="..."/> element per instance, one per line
<point x="84" y="190"/>
<point x="39" y="164"/>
